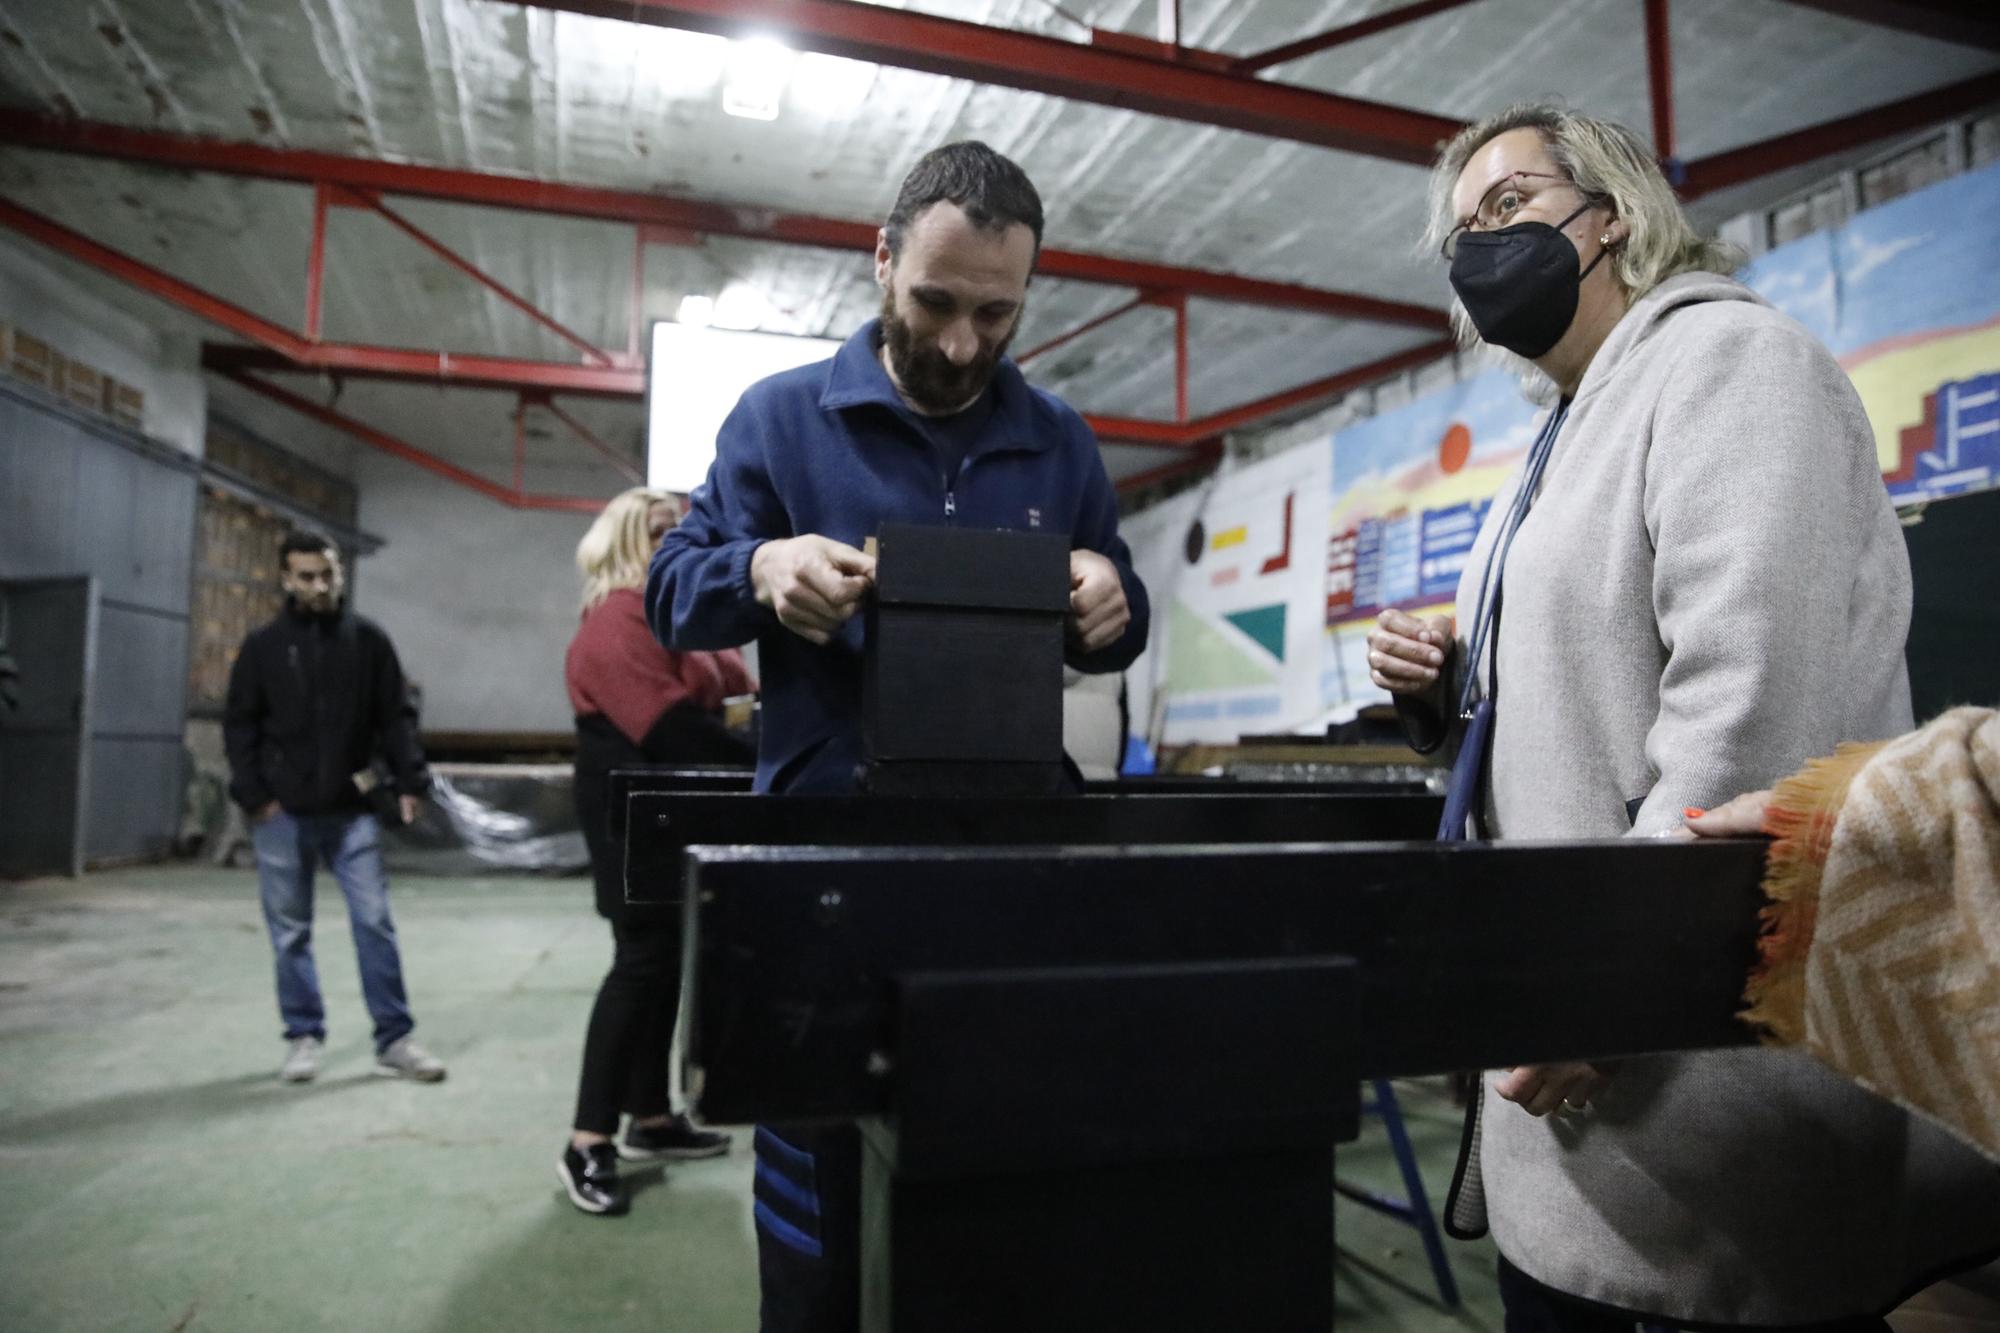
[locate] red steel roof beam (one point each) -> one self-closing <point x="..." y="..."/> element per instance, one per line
<point x="1352" y="32"/>
<point x="1108" y="76"/>
<point x="1167" y="434"/>
<point x="1801" y="146"/>
<point x="1179" y="308"/>
<point x="520" y="446"/>
<point x="409" y="453"/>
<point x="153" y="281"/>
<point x="449" y="368"/>
<point x="281" y="349"/>
<point x="1969" y="24"/>
<point x="1308" y="395"/>
<point x="538" y="378"/>
<point x="480" y="276"/>
<point x="1660" y="79"/>
<point x="684" y="216"/>
<point x="316" y="262"/>
<point x="590" y="437"/>
<point x="1023" y="358"/>
<point x="1229" y="287"/>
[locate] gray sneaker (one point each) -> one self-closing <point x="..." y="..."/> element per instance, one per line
<point x="405" y="1059"/>
<point x="301" y="1060"/>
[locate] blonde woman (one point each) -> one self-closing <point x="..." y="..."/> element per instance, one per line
<point x="635" y="703"/>
<point x="1703" y="584"/>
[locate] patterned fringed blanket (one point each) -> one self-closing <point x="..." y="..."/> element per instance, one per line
<point x="1881" y="947"/>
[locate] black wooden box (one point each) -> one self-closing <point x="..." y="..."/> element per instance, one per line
<point x="963" y="673"/>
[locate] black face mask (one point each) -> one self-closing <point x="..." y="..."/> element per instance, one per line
<point x="1520" y="283"/>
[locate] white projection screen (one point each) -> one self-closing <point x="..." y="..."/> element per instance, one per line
<point x="693" y="378"/>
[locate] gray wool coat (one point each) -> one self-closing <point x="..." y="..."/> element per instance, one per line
<point x="1710" y="589"/>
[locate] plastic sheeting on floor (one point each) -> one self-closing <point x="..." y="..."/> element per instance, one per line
<point x="482" y="818"/>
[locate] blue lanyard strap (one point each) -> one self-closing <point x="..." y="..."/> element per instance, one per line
<point x="1487" y="614"/>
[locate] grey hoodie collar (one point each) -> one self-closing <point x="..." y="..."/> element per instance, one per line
<point x="1646" y="316"/>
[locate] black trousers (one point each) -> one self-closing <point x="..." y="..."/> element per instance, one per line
<point x="1534" y="1308"/>
<point x="808" y="1213"/>
<point x="625" y="1046"/>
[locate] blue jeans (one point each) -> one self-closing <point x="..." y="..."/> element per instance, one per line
<point x="288" y="846"/>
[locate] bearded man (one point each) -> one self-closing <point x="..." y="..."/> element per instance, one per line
<point x="919" y="418"/>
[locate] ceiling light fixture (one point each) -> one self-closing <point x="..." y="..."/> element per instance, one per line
<point x="754" y="85"/>
<point x="740" y="306"/>
<point x="830" y="86"/>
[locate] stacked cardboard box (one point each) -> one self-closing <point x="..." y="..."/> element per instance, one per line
<point x="32" y="361"/>
<point x="123" y="403"/>
<point x="83" y="385"/>
<point x="26" y="357"/>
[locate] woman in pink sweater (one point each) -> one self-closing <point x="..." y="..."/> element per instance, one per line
<point x="635" y="703"/>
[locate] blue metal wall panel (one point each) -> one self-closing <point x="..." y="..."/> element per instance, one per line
<point x="80" y="496"/>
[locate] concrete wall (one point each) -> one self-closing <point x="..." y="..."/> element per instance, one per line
<point x="36" y="296"/>
<point x="480" y="599"/>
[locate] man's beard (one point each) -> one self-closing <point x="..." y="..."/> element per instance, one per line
<point x="313" y="606"/>
<point x="926" y="375"/>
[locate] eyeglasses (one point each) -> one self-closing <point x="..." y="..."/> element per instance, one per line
<point x="1502" y="200"/>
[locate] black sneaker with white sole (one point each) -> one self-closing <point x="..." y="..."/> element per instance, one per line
<point x="591" y="1177"/>
<point x="677" y="1140"/>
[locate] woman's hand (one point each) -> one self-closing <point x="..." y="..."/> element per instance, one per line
<point x="1540" y="1089"/>
<point x="1405" y="654"/>
<point x="1740" y="818"/>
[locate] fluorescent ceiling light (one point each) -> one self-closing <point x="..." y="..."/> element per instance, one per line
<point x="675" y="64"/>
<point x="740" y="306"/>
<point x="832" y="87"/>
<point x="697" y="312"/>
<point x="693" y="379"/>
<point x="755" y="83"/>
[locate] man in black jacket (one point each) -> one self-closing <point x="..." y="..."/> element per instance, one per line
<point x="310" y="697"/>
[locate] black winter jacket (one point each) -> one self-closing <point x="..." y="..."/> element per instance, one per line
<point x="311" y="698"/>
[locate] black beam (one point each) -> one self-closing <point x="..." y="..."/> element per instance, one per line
<point x="1969" y="24"/>
<point x="1470" y="956"/>
<point x="662" y="825"/>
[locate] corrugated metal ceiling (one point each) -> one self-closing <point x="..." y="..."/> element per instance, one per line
<point x="492" y="86"/>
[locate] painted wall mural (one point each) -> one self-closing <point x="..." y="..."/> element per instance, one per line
<point x="1907" y="296"/>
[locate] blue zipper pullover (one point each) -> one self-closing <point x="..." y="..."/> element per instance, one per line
<point x="830" y="449"/>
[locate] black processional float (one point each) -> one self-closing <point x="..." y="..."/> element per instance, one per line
<point x="1102" y="1045"/>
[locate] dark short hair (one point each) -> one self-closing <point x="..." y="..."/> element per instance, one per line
<point x="302" y="542"/>
<point x="993" y="191"/>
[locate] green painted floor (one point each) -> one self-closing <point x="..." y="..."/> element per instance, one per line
<point x="154" y="1175"/>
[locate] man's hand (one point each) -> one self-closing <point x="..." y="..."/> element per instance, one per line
<point x="408" y="806"/>
<point x="1406" y="654"/>
<point x="1098" y="613"/>
<point x="1740" y="818"/>
<point x="1540" y="1089"/>
<point x="268" y="810"/>
<point x="814" y="583"/>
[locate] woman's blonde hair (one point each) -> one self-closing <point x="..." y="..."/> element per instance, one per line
<point x="618" y="548"/>
<point x="1614" y="169"/>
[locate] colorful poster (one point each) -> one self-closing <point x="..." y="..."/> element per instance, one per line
<point x="1907" y="296"/>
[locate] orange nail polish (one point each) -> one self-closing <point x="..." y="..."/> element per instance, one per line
<point x="1694" y="812"/>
